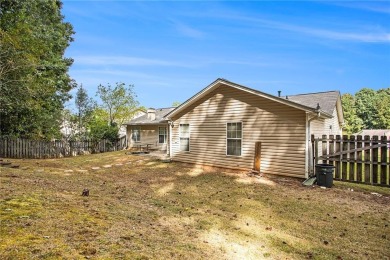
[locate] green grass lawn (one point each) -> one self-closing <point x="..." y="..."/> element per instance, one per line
<point x="140" y="208"/>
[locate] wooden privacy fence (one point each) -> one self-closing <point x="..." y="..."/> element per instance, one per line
<point x="24" y="148"/>
<point x="356" y="158"/>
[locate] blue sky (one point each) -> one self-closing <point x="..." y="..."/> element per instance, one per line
<point x="169" y="50"/>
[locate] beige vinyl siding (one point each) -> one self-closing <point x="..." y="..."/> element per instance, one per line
<point x="336" y="127"/>
<point x="149" y="135"/>
<point x="321" y="127"/>
<point x="280" y="128"/>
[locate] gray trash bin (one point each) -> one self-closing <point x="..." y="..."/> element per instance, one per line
<point x="324" y="174"/>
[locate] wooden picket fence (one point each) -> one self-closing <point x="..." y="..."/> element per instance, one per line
<point x="356" y="158"/>
<point x="24" y="148"/>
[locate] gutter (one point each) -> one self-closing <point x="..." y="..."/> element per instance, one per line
<point x="148" y="123"/>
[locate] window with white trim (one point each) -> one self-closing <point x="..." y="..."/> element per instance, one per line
<point x="136" y="134"/>
<point x="162" y="135"/>
<point x="233" y="138"/>
<point x="184" y="133"/>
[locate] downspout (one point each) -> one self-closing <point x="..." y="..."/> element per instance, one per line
<point x="169" y="151"/>
<point x="308" y="142"/>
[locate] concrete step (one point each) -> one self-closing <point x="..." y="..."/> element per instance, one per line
<point x="13" y="166"/>
<point x="8" y="164"/>
<point x="5" y="163"/>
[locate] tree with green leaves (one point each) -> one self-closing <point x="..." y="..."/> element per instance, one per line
<point x="176" y="103"/>
<point x="353" y="123"/>
<point x="368" y="109"/>
<point x="118" y="101"/>
<point x="99" y="127"/>
<point x="383" y="108"/>
<point x="366" y="99"/>
<point x="85" y="107"/>
<point x="34" y="80"/>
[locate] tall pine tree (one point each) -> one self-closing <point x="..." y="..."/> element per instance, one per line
<point x="85" y="107"/>
<point x="34" y="80"/>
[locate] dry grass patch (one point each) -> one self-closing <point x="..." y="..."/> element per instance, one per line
<point x="140" y="208"/>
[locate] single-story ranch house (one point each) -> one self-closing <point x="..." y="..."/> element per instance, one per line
<point x="232" y="126"/>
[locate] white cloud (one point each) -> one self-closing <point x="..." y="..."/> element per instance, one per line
<point x="116" y="72"/>
<point x="339" y="35"/>
<point x="188" y="31"/>
<point x="124" y="61"/>
<point x="357" y="35"/>
<point x="377" y="6"/>
<point x="190" y="62"/>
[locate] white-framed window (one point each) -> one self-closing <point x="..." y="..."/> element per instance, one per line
<point x="234" y="138"/>
<point x="136" y="133"/>
<point x="184" y="134"/>
<point x="162" y="135"/>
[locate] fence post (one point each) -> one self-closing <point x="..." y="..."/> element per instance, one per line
<point x="384" y="156"/>
<point x="352" y="159"/>
<point x="359" y="162"/>
<point x="367" y="160"/>
<point x="344" y="158"/>
<point x="12" y="148"/>
<point x="22" y="148"/>
<point x="13" y="144"/>
<point x="16" y="148"/>
<point x="337" y="173"/>
<point x="39" y="149"/>
<point x="324" y="148"/>
<point x="32" y="152"/>
<point x="10" y="153"/>
<point x="374" y="160"/>
<point x="331" y="149"/>
<point x="375" y="157"/>
<point x="7" y="147"/>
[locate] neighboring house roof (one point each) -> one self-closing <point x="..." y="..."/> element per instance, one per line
<point x="144" y="120"/>
<point x="217" y="83"/>
<point x="326" y="100"/>
<point x="371" y="132"/>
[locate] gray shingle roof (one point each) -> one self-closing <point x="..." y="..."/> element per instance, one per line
<point x="327" y="100"/>
<point x="144" y="120"/>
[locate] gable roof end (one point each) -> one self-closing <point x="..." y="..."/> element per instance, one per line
<point x="220" y="82"/>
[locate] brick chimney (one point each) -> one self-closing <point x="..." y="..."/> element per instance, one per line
<point x="151" y="114"/>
